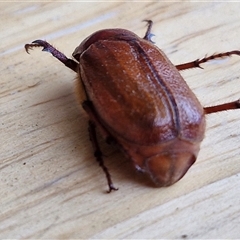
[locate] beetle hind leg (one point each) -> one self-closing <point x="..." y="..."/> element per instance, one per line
<point x="98" y="155"/>
<point x="88" y="107"/>
<point x="223" y="107"/>
<point x="57" y="54"/>
<point x="196" y="63"/>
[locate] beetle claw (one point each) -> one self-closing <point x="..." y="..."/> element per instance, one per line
<point x="111" y="188"/>
<point x="46" y="46"/>
<point x="57" y="54"/>
<point x="29" y="46"/>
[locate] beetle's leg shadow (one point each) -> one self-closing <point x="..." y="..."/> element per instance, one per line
<point x="88" y="107"/>
<point x="196" y="63"/>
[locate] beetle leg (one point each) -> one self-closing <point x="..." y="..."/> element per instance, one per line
<point x="223" y="107"/>
<point x="148" y="34"/>
<point x="98" y="155"/>
<point x="49" y="48"/>
<point x="196" y="63"/>
<point x="88" y="107"/>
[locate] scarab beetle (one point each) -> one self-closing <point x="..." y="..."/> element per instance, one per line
<point x="138" y="100"/>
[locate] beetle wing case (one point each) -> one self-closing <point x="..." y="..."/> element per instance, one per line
<point x="142" y="101"/>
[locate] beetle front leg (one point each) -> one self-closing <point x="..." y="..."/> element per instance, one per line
<point x="223" y="107"/>
<point x="57" y="54"/>
<point x="196" y="63"/>
<point x="148" y="34"/>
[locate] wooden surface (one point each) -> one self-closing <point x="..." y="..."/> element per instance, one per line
<point x="51" y="186"/>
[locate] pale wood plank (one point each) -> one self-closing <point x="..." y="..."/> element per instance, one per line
<point x="51" y="186"/>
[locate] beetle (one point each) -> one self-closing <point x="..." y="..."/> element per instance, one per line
<point x="138" y="100"/>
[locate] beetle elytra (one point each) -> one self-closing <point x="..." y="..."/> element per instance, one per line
<point x="139" y="100"/>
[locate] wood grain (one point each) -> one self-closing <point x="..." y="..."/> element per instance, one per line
<point x="51" y="186"/>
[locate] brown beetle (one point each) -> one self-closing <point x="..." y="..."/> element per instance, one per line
<point x="138" y="99"/>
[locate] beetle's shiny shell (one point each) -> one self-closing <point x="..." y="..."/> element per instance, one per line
<point x="143" y="102"/>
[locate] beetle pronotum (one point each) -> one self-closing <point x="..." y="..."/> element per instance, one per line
<point x="138" y="100"/>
